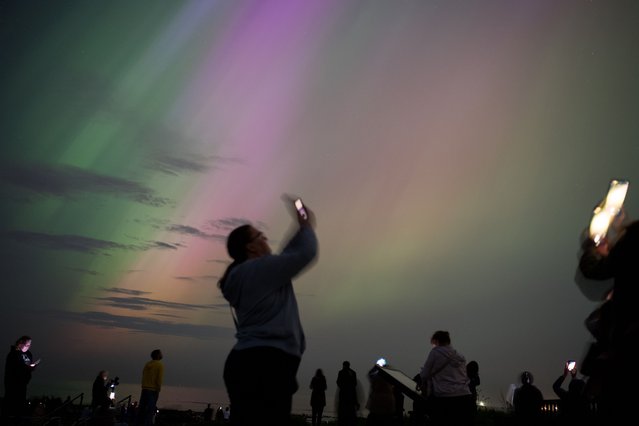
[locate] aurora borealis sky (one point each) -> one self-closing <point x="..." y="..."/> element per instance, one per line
<point x="451" y="150"/>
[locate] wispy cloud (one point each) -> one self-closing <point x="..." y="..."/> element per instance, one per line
<point x="229" y="223"/>
<point x="180" y="164"/>
<point x="65" y="242"/>
<point x="197" y="278"/>
<point x="147" y="325"/>
<point x="69" y="181"/>
<point x="192" y="231"/>
<point x="137" y="303"/>
<point x="79" y="243"/>
<point x="126" y="291"/>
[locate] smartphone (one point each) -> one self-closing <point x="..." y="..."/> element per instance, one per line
<point x="606" y="212"/>
<point x="571" y="365"/>
<point x="616" y="195"/>
<point x="300" y="209"/>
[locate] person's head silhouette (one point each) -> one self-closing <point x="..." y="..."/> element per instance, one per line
<point x="527" y="378"/>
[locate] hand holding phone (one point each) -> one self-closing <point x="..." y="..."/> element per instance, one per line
<point x="301" y="210"/>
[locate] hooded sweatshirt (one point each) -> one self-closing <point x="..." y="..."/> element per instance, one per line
<point x="261" y="292"/>
<point x="445" y="371"/>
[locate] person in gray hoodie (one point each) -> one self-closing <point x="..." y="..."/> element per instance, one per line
<point x="445" y="382"/>
<point x="260" y="371"/>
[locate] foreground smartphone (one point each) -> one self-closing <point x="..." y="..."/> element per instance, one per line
<point x="300" y="209"/>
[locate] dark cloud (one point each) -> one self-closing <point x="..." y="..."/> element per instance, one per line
<point x="66" y="242"/>
<point x="126" y="291"/>
<point x="68" y="181"/>
<point x="190" y="230"/>
<point x="137" y="303"/>
<point x="197" y="278"/>
<point x="163" y="245"/>
<point x="147" y="325"/>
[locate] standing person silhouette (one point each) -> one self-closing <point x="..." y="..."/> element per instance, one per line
<point x="318" y="397"/>
<point x="617" y="330"/>
<point x="527" y="401"/>
<point x="381" y="400"/>
<point x="17" y="375"/>
<point x="472" y="371"/>
<point x="260" y="371"/>
<point x="152" y="378"/>
<point x="347" y="403"/>
<point x="446" y="382"/>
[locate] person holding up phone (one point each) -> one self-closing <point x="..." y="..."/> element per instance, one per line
<point x="617" y="331"/>
<point x="574" y="408"/>
<point x="260" y="371"/>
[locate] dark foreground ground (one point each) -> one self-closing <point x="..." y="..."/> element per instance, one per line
<point x="77" y="416"/>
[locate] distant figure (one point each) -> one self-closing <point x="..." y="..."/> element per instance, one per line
<point x="219" y="415"/>
<point x="472" y="371"/>
<point x="208" y="414"/>
<point x="446" y="382"/>
<point x="617" y="329"/>
<point x="318" y="397"/>
<point x="260" y="371"/>
<point x="100" y="393"/>
<point x="17" y="375"/>
<point x="347" y="403"/>
<point x="574" y="407"/>
<point x="152" y="377"/>
<point x="381" y="400"/>
<point x="527" y="401"/>
<point x="227" y="414"/>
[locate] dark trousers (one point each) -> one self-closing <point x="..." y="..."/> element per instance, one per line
<point x="15" y="401"/>
<point x="316" y="414"/>
<point x="452" y="410"/>
<point x="148" y="407"/>
<point x="260" y="383"/>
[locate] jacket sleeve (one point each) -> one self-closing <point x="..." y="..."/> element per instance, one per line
<point x="297" y="254"/>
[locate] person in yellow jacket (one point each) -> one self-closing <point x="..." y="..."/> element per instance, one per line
<point x="152" y="376"/>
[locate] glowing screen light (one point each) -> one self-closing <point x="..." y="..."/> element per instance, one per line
<point x="605" y="213"/>
<point x="381" y="362"/>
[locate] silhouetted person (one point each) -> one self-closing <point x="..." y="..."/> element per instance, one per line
<point x="574" y="407"/>
<point x="100" y="400"/>
<point x="219" y="415"/>
<point x="17" y="375"/>
<point x="318" y="397"/>
<point x="260" y="371"/>
<point x="527" y="401"/>
<point x="347" y="403"/>
<point x="381" y="400"/>
<point x="444" y="375"/>
<point x="472" y="371"/>
<point x="208" y="413"/>
<point x="152" y="378"/>
<point x="617" y="259"/>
